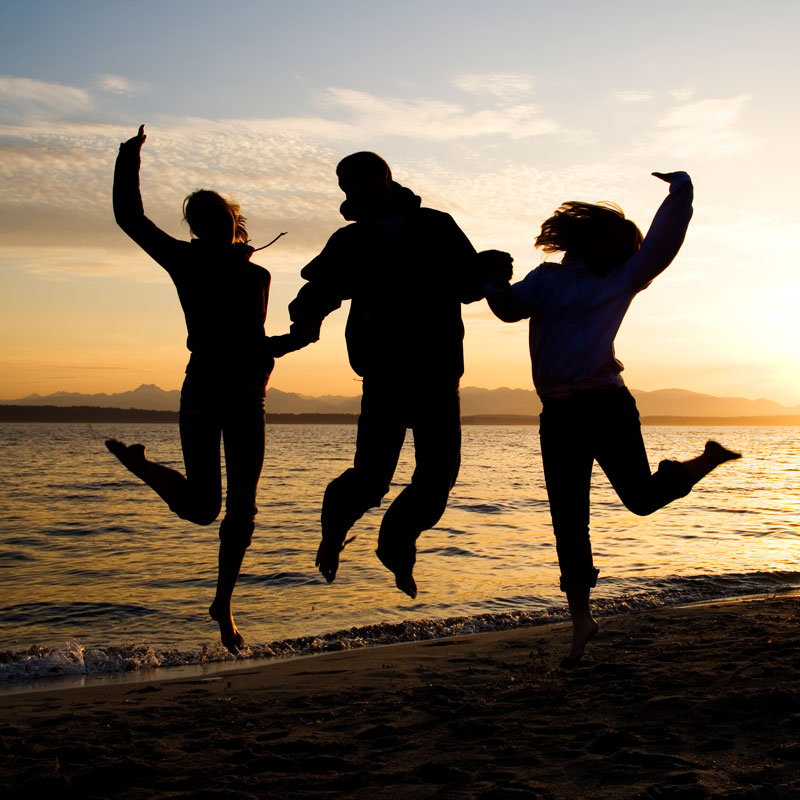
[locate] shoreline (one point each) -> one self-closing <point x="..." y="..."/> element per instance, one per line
<point x="73" y="665"/>
<point x="700" y="700"/>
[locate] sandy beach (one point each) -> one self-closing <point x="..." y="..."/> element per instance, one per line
<point x="688" y="702"/>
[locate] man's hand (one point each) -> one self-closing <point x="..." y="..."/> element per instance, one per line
<point x="497" y="266"/>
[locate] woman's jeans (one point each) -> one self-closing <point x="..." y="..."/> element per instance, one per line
<point x="597" y="425"/>
<point x="198" y="498"/>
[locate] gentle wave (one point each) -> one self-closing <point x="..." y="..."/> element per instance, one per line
<point x="279" y="579"/>
<point x="13" y="556"/>
<point x="479" y="508"/>
<point x="454" y="551"/>
<point x="74" y="659"/>
<point x="32" y="613"/>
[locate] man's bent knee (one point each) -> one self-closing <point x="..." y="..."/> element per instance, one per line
<point x="347" y="498"/>
<point x="359" y="485"/>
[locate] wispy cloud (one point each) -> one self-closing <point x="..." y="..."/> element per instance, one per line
<point x="507" y="86"/>
<point x="26" y="96"/>
<point x="57" y="175"/>
<point x="71" y="261"/>
<point x="119" y="85"/>
<point x="682" y="94"/>
<point x="504" y="208"/>
<point x="705" y="129"/>
<point x="281" y="170"/>
<point x="706" y="114"/>
<point x="633" y="96"/>
<point x="58" y="183"/>
<point x="57" y="169"/>
<point x="436" y="119"/>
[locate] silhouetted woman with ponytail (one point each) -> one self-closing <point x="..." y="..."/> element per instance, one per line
<point x="224" y="299"/>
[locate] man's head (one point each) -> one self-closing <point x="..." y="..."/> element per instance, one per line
<point x="365" y="178"/>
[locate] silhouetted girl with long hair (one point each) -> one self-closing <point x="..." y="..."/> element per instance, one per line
<point x="224" y="299"/>
<point x="575" y="310"/>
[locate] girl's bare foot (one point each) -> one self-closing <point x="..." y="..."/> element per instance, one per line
<point x="712" y="456"/>
<point x="131" y="456"/>
<point x="582" y="634"/>
<point x="229" y="634"/>
<point x="718" y="454"/>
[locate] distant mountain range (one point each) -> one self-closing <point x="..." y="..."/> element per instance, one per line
<point x="662" y="402"/>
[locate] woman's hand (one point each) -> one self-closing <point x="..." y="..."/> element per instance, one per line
<point x="278" y="346"/>
<point x="134" y="143"/>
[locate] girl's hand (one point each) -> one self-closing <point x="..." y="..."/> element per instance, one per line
<point x="135" y="142"/>
<point x="496" y="266"/>
<point x="671" y="177"/>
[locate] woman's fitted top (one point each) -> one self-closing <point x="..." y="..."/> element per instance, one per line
<point x="575" y="314"/>
<point x="223" y="296"/>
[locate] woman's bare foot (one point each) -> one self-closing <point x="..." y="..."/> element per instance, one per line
<point x="327" y="561"/>
<point x="131" y="456"/>
<point x="582" y="634"/>
<point x="717" y="454"/>
<point x="228" y="632"/>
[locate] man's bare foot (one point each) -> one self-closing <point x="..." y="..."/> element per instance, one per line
<point x="407" y="584"/>
<point x="327" y="561"/>
<point x="131" y="456"/>
<point x="718" y="454"/>
<point x="404" y="581"/>
<point x="582" y="634"/>
<point x="229" y="634"/>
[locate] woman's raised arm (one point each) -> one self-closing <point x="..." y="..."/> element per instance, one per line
<point x="128" y="208"/>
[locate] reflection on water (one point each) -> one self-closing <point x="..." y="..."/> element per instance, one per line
<point x="89" y="555"/>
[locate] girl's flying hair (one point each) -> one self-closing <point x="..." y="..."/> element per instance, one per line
<point x="598" y="234"/>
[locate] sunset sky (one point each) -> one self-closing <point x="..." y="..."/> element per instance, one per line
<point x="493" y="111"/>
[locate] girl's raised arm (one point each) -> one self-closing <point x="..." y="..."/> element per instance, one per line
<point x="505" y="303"/>
<point x="667" y="231"/>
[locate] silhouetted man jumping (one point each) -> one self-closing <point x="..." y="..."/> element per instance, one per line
<point x="406" y="270"/>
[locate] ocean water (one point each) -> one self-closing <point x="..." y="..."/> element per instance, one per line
<point x="99" y="577"/>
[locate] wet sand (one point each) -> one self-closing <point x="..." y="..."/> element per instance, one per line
<point x="691" y="702"/>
